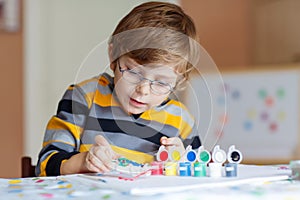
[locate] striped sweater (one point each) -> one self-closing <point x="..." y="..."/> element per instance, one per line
<point x="91" y="108"/>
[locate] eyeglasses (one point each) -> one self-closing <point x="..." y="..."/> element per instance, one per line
<point x="134" y="77"/>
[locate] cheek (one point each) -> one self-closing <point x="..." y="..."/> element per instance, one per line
<point x="123" y="89"/>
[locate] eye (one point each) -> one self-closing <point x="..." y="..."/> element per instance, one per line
<point x="134" y="71"/>
<point x="161" y="83"/>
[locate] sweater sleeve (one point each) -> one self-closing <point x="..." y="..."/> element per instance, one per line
<point x="63" y="131"/>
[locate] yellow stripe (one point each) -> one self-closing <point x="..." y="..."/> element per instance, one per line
<point x="105" y="100"/>
<point x="164" y="117"/>
<point x="71" y="87"/>
<point x="44" y="164"/>
<point x="84" y="147"/>
<point x="136" y="156"/>
<point x="58" y="124"/>
<point x="89" y="98"/>
<point x="87" y="81"/>
<point x="185" y="131"/>
<point x="103" y="81"/>
<point x="176" y="103"/>
<point x="53" y="141"/>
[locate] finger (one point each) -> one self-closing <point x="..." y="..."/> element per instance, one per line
<point x="163" y="140"/>
<point x="89" y="165"/>
<point x="173" y="141"/>
<point x="105" y="156"/>
<point x="96" y="164"/>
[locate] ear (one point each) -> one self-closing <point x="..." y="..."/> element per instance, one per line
<point x="112" y="64"/>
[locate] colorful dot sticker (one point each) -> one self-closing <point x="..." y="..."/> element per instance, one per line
<point x="264" y="116"/>
<point x="281" y="116"/>
<point x="280" y="93"/>
<point x="262" y="93"/>
<point x="236" y="94"/>
<point x="248" y="125"/>
<point x="251" y="114"/>
<point x="273" y="127"/>
<point x="269" y="101"/>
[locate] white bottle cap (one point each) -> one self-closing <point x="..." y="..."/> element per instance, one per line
<point x="218" y="155"/>
<point x="234" y="155"/>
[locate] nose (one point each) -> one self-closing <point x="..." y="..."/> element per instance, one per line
<point x="143" y="87"/>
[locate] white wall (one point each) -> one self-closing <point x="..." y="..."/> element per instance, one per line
<point x="59" y="35"/>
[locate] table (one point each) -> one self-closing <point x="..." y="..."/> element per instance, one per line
<point x="69" y="187"/>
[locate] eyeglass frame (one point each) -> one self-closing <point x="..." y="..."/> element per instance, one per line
<point x="142" y="78"/>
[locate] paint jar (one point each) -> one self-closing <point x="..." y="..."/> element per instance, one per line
<point x="185" y="169"/>
<point x="204" y="156"/>
<point x="191" y="155"/>
<point x="157" y="168"/>
<point x="215" y="170"/>
<point x="174" y="155"/>
<point x="230" y="169"/>
<point x="295" y="167"/>
<point x="162" y="154"/>
<point x="200" y="169"/>
<point x="218" y="155"/>
<point x="234" y="155"/>
<point x="170" y="168"/>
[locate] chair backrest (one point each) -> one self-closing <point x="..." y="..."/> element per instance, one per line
<point x="28" y="170"/>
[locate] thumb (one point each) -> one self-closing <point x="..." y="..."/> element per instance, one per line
<point x="101" y="141"/>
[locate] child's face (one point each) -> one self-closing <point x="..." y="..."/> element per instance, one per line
<point x="143" y="87"/>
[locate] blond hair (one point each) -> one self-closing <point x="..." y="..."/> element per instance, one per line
<point x="157" y="32"/>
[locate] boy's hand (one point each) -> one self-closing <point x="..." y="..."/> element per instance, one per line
<point x="100" y="156"/>
<point x="174" y="142"/>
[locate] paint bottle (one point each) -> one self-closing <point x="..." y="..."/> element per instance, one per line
<point x="185" y="169"/>
<point x="174" y="154"/>
<point x="230" y="169"/>
<point x="162" y="154"/>
<point x="190" y="155"/>
<point x="157" y="168"/>
<point x="170" y="168"/>
<point x="234" y="155"/>
<point x="295" y="167"/>
<point x="218" y="155"/>
<point x="200" y="169"/>
<point x="203" y="155"/>
<point x="215" y="170"/>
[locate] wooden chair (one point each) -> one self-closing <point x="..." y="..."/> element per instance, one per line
<point x="28" y="170"/>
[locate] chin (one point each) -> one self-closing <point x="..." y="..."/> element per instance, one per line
<point x="136" y="111"/>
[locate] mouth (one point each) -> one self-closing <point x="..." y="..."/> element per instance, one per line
<point x="136" y="103"/>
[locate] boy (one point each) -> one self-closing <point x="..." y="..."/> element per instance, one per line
<point x="131" y="115"/>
